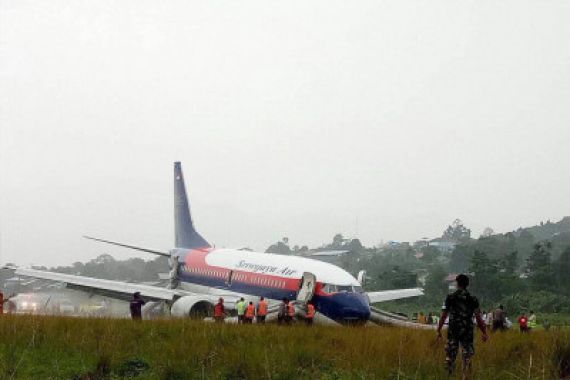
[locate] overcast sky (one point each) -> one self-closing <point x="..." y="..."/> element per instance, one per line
<point x="384" y="120"/>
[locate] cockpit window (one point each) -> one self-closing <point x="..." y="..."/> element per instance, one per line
<point x="331" y="288"/>
<point x="344" y="288"/>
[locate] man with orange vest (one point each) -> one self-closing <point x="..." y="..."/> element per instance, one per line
<point x="219" y="311"/>
<point x="290" y="310"/>
<point x="249" y="313"/>
<point x="310" y="315"/>
<point x="261" y="310"/>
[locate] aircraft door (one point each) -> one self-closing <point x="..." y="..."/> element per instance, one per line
<point x="307" y="287"/>
<point x="361" y="277"/>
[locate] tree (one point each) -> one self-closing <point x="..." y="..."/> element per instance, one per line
<point x="563" y="271"/>
<point x="338" y="241"/>
<point x="510" y="281"/>
<point x="456" y="232"/>
<point x="396" y="278"/>
<point x="524" y="244"/>
<point x="460" y="258"/>
<point x="487" y="232"/>
<point x="430" y="254"/>
<point x="354" y="245"/>
<point x="280" y="248"/>
<point x="485" y="277"/>
<point x="539" y="268"/>
<point x="436" y="288"/>
<point x="510" y="263"/>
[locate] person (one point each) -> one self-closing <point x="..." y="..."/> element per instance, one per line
<point x="435" y="319"/>
<point x="249" y="313"/>
<point x="532" y="320"/>
<point x="499" y="319"/>
<point x="490" y="319"/>
<point x="261" y="311"/>
<point x="290" y="316"/>
<point x="484" y="317"/>
<point x="310" y="315"/>
<point x="282" y="313"/>
<point x="546" y="325"/>
<point x="2" y="300"/>
<point x="240" y="307"/>
<point x="422" y="318"/>
<point x="460" y="307"/>
<point x="523" y="323"/>
<point x="429" y="319"/>
<point x="136" y="306"/>
<point x="219" y="311"/>
<point x="11" y="304"/>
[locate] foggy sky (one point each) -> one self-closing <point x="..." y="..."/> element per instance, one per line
<point x="384" y="120"/>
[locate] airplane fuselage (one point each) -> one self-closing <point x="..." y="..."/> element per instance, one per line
<point x="338" y="295"/>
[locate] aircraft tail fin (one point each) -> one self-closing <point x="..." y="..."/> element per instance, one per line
<point x="185" y="234"/>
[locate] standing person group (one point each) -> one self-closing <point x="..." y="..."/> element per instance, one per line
<point x="286" y="314"/>
<point x="246" y="312"/>
<point x="430" y="319"/>
<point x="526" y="324"/>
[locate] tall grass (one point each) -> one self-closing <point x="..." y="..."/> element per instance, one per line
<point x="34" y="347"/>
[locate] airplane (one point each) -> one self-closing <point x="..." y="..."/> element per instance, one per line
<point x="200" y="274"/>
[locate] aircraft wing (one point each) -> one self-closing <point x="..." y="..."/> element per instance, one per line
<point x="115" y="289"/>
<point x="389" y="295"/>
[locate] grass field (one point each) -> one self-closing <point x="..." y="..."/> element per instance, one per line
<point x="33" y="347"/>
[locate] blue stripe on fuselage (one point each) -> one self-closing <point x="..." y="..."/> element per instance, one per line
<point x="341" y="307"/>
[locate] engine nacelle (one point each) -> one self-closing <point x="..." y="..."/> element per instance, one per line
<point x="192" y="306"/>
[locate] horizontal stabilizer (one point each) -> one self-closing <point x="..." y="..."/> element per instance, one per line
<point x="154" y="252"/>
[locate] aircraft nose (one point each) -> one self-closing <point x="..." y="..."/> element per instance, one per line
<point x="355" y="308"/>
<point x="359" y="313"/>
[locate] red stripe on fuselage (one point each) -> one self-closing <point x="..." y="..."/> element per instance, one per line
<point x="196" y="258"/>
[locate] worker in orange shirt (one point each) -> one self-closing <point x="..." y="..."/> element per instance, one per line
<point x="261" y="312"/>
<point x="290" y="316"/>
<point x="219" y="311"/>
<point x="310" y="315"/>
<point x="249" y="313"/>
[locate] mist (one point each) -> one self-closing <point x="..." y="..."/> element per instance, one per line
<point x="380" y="120"/>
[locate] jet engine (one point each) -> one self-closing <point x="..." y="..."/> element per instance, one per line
<point x="192" y="306"/>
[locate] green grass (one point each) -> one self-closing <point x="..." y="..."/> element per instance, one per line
<point x="68" y="348"/>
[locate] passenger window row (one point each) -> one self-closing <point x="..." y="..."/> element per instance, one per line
<point x="236" y="277"/>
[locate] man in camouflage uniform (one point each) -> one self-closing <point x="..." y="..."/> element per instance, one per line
<point x="460" y="307"/>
